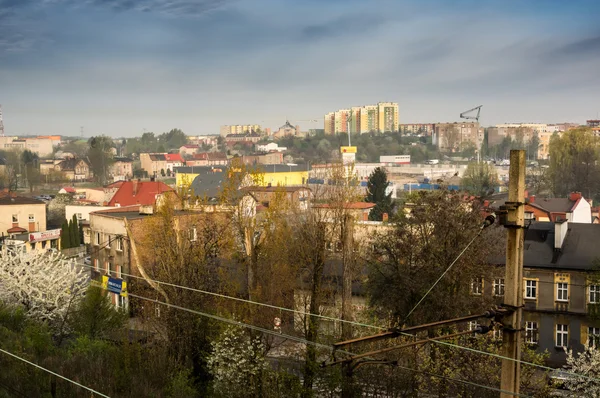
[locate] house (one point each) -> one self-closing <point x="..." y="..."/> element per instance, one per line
<point x="136" y="192"/>
<point x="266" y="158"/>
<point x="67" y="191"/>
<point x="297" y="196"/>
<point x="574" y="208"/>
<point x="560" y="279"/>
<point x="173" y="160"/>
<point x="121" y="169"/>
<point x="188" y="149"/>
<point x="270" y="147"/>
<point x="208" y="183"/>
<point x="153" y="163"/>
<point x="23" y="224"/>
<point x="75" y="169"/>
<point x="208" y="159"/>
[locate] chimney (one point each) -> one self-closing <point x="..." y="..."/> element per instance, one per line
<point x="135" y="187"/>
<point x="365" y="216"/>
<point x="385" y="217"/>
<point x="532" y="199"/>
<point x="574" y="196"/>
<point x="560" y="232"/>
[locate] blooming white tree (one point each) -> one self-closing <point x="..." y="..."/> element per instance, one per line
<point x="46" y="285"/>
<point x="237" y="363"/>
<point x="586" y="364"/>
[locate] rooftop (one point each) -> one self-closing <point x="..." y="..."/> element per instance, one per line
<point x="10" y="198"/>
<point x="138" y="193"/>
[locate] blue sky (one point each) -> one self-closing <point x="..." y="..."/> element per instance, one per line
<point x="120" y="66"/>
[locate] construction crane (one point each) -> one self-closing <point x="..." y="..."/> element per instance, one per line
<point x="1" y="123"/>
<point x="476" y="118"/>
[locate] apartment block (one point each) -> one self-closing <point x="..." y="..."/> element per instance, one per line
<point x="417" y="128"/>
<point x="379" y="118"/>
<point x="41" y="146"/>
<point x="239" y="129"/>
<point x="451" y="137"/>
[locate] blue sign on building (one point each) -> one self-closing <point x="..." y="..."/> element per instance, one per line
<point x="115" y="285"/>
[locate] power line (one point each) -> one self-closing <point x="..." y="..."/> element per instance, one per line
<point x="299" y="339"/>
<point x="53" y="373"/>
<point x="247" y="301"/>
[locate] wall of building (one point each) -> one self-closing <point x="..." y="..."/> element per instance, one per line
<point x="22" y="211"/>
<point x="82" y="212"/>
<point x="285" y="178"/>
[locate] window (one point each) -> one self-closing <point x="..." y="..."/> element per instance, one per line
<point x="594" y="294"/>
<point x="107" y="268"/>
<point x="97" y="238"/>
<point x="531" y="332"/>
<point x="477" y="286"/>
<point x="108" y="242"/>
<point x="15" y="218"/>
<point x="473" y="325"/>
<point x="530" y="289"/>
<point x="562" y="335"/>
<point x="499" y="287"/>
<point x="31" y="218"/>
<point x="96" y="264"/>
<point x="118" y="271"/>
<point x="79" y="216"/>
<point x="121" y="302"/>
<point x="119" y="244"/>
<point x="562" y="291"/>
<point x="593" y="337"/>
<point x="193" y="234"/>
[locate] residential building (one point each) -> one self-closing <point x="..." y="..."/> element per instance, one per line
<point x="297" y="196"/>
<point x="270" y="147"/>
<point x="253" y="138"/>
<point x="520" y="133"/>
<point x="121" y="169"/>
<point x="382" y="117"/>
<point x="417" y="128"/>
<point x="594" y="124"/>
<point x="205" y="183"/>
<point x="136" y="192"/>
<point x="188" y="149"/>
<point x="19" y="214"/>
<point x="451" y="137"/>
<point x="153" y="163"/>
<point x="208" y="159"/>
<point x="42" y="146"/>
<point x="574" y="208"/>
<point x="173" y="160"/>
<point x="240" y="129"/>
<point x="56" y="139"/>
<point x="559" y="286"/>
<point x="265" y="158"/>
<point x="75" y="169"/>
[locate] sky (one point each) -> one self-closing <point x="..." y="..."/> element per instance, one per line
<point x="121" y="67"/>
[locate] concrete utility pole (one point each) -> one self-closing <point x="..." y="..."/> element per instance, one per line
<point x="513" y="218"/>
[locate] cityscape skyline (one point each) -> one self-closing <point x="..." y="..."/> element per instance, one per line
<point x="120" y="67"/>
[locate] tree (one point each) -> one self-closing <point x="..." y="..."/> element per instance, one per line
<point x="377" y="187"/>
<point x="452" y="139"/>
<point x="586" y="369"/>
<point x="44" y="284"/>
<point x="95" y="317"/>
<point x="32" y="171"/>
<point x="480" y="179"/>
<point x="574" y="163"/>
<point x="65" y="235"/>
<point x="175" y="138"/>
<point x="418" y="247"/>
<point x="237" y="364"/>
<point x="100" y="157"/>
<point x="75" y="233"/>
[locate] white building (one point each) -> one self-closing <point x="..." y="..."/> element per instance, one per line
<point x="271" y="146"/>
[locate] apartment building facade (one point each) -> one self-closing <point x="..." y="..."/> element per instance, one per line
<point x="226" y="130"/>
<point x="451" y="137"/>
<point x="379" y="118"/>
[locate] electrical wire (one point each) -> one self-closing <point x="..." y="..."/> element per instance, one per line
<point x="341" y="320"/>
<point x="54" y="373"/>
<point x="299" y="339"/>
<point x="248" y="301"/>
<point x="444" y="273"/>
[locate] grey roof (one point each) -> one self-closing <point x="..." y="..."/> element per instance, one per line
<point x="69" y="164"/>
<point x="198" y="169"/>
<point x="19" y="200"/>
<point x="554" y="204"/>
<point x="208" y="183"/>
<point x="579" y="250"/>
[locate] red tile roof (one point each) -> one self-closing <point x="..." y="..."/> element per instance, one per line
<point x="69" y="189"/>
<point x="173" y="157"/>
<point x="138" y="193"/>
<point x="16" y="230"/>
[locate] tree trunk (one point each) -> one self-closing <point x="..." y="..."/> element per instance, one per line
<point x="312" y="332"/>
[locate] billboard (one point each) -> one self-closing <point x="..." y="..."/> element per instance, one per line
<point x="42" y="236"/>
<point x="114" y="285"/>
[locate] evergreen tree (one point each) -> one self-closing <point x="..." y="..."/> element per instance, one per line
<point x="65" y="236"/>
<point x="75" y="241"/>
<point x="376" y="193"/>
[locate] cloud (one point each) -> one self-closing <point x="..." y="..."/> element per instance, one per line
<point x="580" y="48"/>
<point x="345" y="25"/>
<point x="189" y="8"/>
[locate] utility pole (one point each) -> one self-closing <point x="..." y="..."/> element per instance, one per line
<point x="513" y="218"/>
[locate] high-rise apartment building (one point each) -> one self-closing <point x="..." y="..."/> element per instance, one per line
<point x="451" y="137"/>
<point x="239" y="129"/>
<point x="379" y="118"/>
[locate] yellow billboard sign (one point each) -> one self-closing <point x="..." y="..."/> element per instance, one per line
<point x="348" y="149"/>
